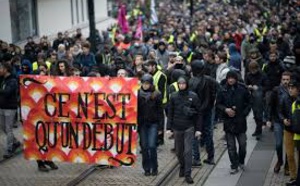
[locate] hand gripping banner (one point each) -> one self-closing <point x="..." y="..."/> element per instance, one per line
<point x="80" y="119"/>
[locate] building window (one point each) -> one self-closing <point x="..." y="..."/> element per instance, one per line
<point x="23" y="19"/>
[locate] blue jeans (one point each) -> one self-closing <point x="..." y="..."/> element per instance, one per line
<point x="278" y="133"/>
<point x="207" y="137"/>
<point x="148" y="138"/>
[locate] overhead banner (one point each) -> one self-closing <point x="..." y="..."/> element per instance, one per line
<point x="80" y="119"/>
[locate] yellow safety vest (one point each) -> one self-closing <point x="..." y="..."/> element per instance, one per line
<point x="193" y="37"/>
<point x="294" y="107"/>
<point x="35" y="65"/>
<point x="260" y="35"/>
<point x="156" y="78"/>
<point x="171" y="39"/>
<point x="175" y="85"/>
<point x="189" y="59"/>
<point x="263" y="67"/>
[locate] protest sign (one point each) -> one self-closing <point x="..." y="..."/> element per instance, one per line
<point x="79" y="119"/>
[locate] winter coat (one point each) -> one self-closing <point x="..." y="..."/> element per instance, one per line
<point x="8" y="93"/>
<point x="236" y="97"/>
<point x="150" y="109"/>
<point x="184" y="111"/>
<point x="259" y="79"/>
<point x="273" y="72"/>
<point x="206" y="89"/>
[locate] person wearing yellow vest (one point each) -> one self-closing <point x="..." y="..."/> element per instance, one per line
<point x="40" y="59"/>
<point x="294" y="90"/>
<point x="289" y="136"/>
<point x="160" y="83"/>
<point x="260" y="32"/>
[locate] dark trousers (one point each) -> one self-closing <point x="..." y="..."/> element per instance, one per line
<point x="278" y="133"/>
<point x="207" y="136"/>
<point x="257" y="107"/>
<point x="183" y="142"/>
<point x="235" y="157"/>
<point x="148" y="137"/>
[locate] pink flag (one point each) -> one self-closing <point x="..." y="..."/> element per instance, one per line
<point x="122" y="21"/>
<point x="139" y="29"/>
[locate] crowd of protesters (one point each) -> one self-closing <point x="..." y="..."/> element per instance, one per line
<point x="217" y="64"/>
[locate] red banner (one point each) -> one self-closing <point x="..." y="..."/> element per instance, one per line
<point x="81" y="120"/>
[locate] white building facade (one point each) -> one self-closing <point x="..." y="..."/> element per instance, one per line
<point x="22" y="18"/>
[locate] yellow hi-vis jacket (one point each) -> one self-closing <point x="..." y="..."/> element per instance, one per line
<point x="156" y="78"/>
<point x="296" y="106"/>
<point x="259" y="34"/>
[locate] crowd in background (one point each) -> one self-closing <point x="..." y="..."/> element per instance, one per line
<point x="226" y="58"/>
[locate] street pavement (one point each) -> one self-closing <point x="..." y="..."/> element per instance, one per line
<point x="260" y="155"/>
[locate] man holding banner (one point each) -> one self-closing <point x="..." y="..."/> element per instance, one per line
<point x="8" y="107"/>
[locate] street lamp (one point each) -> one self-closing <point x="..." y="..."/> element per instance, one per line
<point x="92" y="25"/>
<point x="191" y="13"/>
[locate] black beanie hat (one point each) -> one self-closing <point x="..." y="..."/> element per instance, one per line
<point x="232" y="74"/>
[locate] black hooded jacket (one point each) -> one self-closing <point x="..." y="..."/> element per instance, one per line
<point x="184" y="111"/>
<point x="8" y="93"/>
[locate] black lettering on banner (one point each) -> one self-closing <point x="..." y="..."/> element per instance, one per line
<point x="97" y="105"/>
<point x="131" y="127"/>
<point x="87" y="135"/>
<point x="61" y="103"/>
<point x="65" y="132"/>
<point x="53" y="96"/>
<point x="123" y="96"/>
<point x="108" y="134"/>
<point x="95" y="132"/>
<point x="54" y="134"/>
<point x="42" y="143"/>
<point x="111" y="105"/>
<point x="83" y="105"/>
<point x="120" y="143"/>
<point x="74" y="135"/>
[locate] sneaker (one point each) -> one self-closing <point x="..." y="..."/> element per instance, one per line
<point x="242" y="167"/>
<point x="277" y="167"/>
<point x="291" y="182"/>
<point x="209" y="162"/>
<point x="15" y="146"/>
<point x="8" y="155"/>
<point x="189" y="180"/>
<point x="256" y="133"/>
<point x="147" y="173"/>
<point x="234" y="171"/>
<point x="43" y="168"/>
<point x="197" y="163"/>
<point x="258" y="137"/>
<point x="181" y="173"/>
<point x="51" y="165"/>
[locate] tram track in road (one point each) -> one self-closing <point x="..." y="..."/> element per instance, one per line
<point x="169" y="175"/>
<point x="86" y="173"/>
<point x="17" y="153"/>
